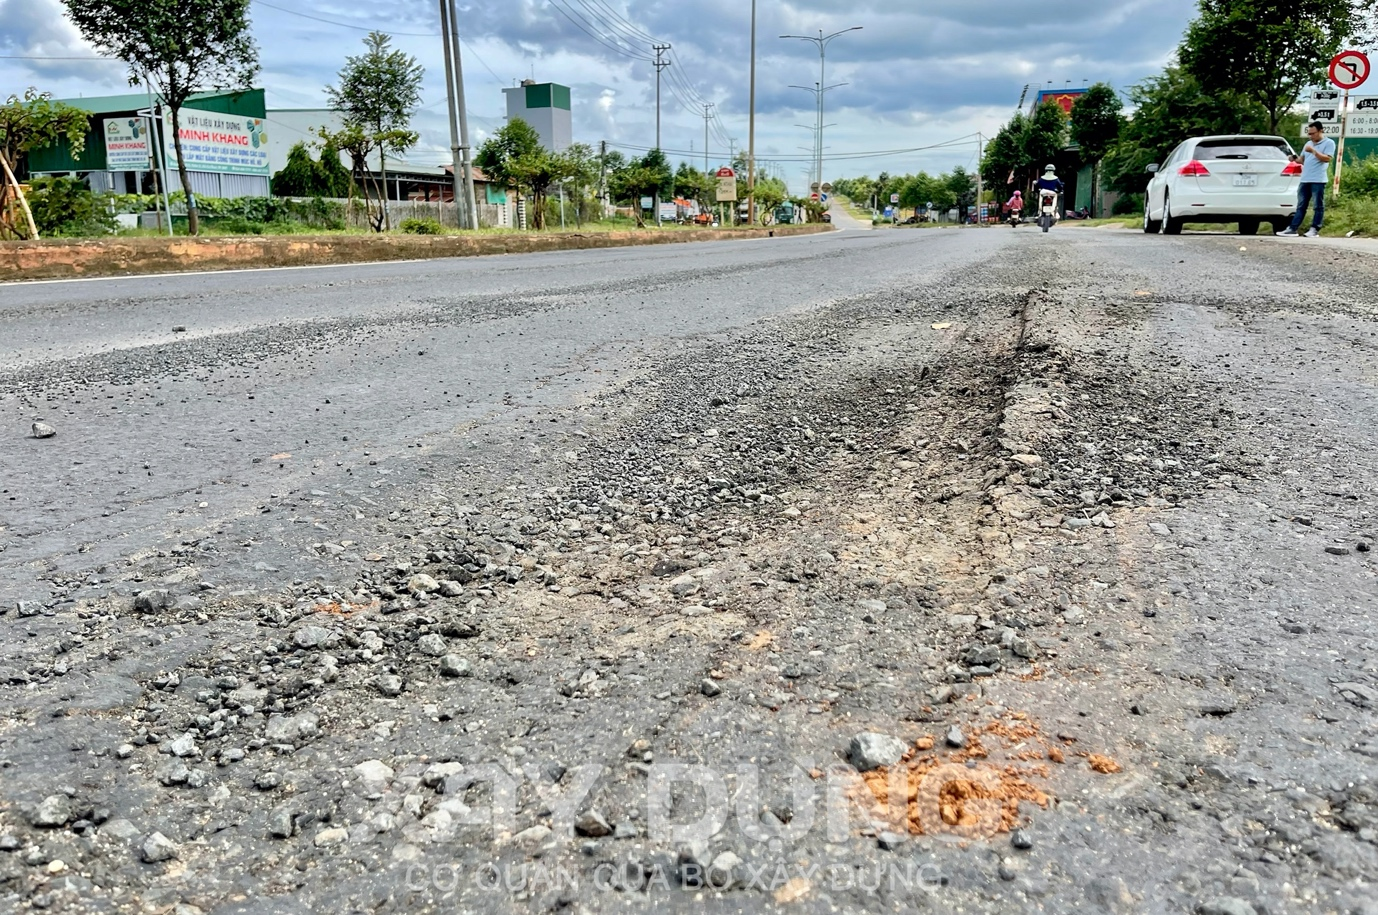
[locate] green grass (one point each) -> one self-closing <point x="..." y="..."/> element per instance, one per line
<point x="210" y="230"/>
<point x="1352" y="214"/>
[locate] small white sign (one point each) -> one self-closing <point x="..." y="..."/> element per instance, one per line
<point x="894" y="198"/>
<point x="126" y="145"/>
<point x="1362" y="122"/>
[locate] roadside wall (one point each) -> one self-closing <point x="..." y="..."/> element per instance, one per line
<point x="35" y="260"/>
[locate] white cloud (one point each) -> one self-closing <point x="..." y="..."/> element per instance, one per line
<point x="920" y="72"/>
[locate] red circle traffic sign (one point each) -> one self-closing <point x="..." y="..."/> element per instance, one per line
<point x="1349" y="69"/>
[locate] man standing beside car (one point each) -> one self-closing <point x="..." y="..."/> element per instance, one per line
<point x="1315" y="170"/>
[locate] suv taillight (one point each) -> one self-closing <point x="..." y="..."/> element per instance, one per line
<point x="1194" y="167"/>
<point x="1292" y="170"/>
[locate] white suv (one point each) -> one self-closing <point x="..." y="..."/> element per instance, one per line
<point x="1244" y="179"/>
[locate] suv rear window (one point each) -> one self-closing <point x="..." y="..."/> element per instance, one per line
<point x="1240" y="149"/>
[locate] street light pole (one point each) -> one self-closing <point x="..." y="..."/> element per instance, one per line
<point x="751" y="130"/>
<point x="822" y="42"/>
<point x="816" y="167"/>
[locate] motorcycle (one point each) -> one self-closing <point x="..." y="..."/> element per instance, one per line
<point x="1047" y="209"/>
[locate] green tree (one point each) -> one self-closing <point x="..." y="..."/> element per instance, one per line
<point x="582" y="168"/>
<point x="515" y="155"/>
<point x="180" y="46"/>
<point x="335" y="178"/>
<point x="1003" y="162"/>
<point x="692" y="184"/>
<point x="378" y="92"/>
<point x="1266" y="50"/>
<point x="770" y="193"/>
<point x="645" y="177"/>
<point x="30" y="122"/>
<point x="962" y="185"/>
<point x="1168" y="108"/>
<point x="1095" y="126"/>
<point x="360" y="143"/>
<point x="1043" y="137"/>
<point x="300" y="177"/>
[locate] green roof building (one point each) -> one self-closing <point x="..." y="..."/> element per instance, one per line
<point x="225" y="140"/>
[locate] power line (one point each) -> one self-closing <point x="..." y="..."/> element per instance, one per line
<point x="359" y="28"/>
<point x="610" y="44"/>
<point x="345" y="25"/>
<point x="839" y="157"/>
<point x="628" y="26"/>
<point x="109" y="60"/>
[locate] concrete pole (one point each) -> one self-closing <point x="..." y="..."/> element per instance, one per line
<point x="461" y="218"/>
<point x="465" y="150"/>
<point x="751" y="129"/>
<point x="980" y="152"/>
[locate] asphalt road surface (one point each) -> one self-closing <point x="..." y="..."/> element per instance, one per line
<point x="949" y="570"/>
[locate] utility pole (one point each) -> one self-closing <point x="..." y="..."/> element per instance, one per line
<point x="465" y="151"/>
<point x="461" y="218"/>
<point x="603" y="179"/>
<point x="707" y="116"/>
<point x="980" y="151"/>
<point x="660" y="64"/>
<point x="751" y="130"/>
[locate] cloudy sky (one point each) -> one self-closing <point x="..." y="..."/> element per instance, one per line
<point x="920" y="73"/>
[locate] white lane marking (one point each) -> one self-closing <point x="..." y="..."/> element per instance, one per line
<point x="155" y="276"/>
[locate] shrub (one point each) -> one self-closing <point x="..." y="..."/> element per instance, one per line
<point x="421" y="227"/>
<point x="1128" y="205"/>
<point x="1352" y="213"/>
<point x="66" y="207"/>
<point x="1360" y="179"/>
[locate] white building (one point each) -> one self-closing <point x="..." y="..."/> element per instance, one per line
<point x="546" y="107"/>
<point x="291" y="126"/>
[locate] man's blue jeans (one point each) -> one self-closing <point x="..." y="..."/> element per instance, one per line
<point x="1308" y="191"/>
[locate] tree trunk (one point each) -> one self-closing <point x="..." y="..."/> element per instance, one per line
<point x="538" y="210"/>
<point x="19" y="192"/>
<point x="193" y="219"/>
<point x="383" y="172"/>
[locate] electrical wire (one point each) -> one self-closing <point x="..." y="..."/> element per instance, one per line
<point x="358" y="28"/>
<point x="630" y="27"/>
<point x="588" y="29"/>
<point x="838" y="157"/>
<point x="345" y="25"/>
<point x="110" y="60"/>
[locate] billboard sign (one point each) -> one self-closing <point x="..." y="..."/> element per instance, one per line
<point x="127" y="145"/>
<point x="230" y="144"/>
<point x="727" y="185"/>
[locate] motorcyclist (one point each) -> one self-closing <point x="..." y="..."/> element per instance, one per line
<point x="1015" y="204"/>
<point x="1050" y="181"/>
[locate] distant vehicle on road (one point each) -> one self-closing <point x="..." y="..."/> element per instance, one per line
<point x="827" y="217"/>
<point x="1245" y="179"/>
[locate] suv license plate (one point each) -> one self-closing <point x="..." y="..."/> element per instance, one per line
<point x="1246" y="180"/>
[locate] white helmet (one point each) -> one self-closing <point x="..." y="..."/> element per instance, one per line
<point x="1048" y="168"/>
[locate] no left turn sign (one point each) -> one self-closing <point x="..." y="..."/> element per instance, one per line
<point x="1349" y="69"/>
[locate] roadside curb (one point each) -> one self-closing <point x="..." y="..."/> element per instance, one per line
<point x="62" y="259"/>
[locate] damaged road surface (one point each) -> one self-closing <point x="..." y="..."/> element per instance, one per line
<point x="936" y="571"/>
